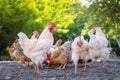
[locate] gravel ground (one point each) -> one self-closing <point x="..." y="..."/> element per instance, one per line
<point x="11" y="70"/>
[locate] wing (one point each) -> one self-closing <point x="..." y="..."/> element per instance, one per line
<point x="28" y="44"/>
<point x="43" y="44"/>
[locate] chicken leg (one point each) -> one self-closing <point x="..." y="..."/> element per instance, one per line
<point x="60" y="66"/>
<point x="95" y="70"/>
<point x="36" y="68"/>
<point x="76" y="63"/>
<point x="85" y="69"/>
<point x="64" y="66"/>
<point x="105" y="67"/>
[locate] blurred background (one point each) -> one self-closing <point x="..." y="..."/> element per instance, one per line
<point x="72" y="17"/>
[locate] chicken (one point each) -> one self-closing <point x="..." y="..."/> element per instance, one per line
<point x="97" y="45"/>
<point x="80" y="51"/>
<point x="58" y="58"/>
<point x="36" y="49"/>
<point x="17" y="53"/>
<point x="62" y="55"/>
<point x="53" y="50"/>
<point x="53" y="55"/>
<point x="67" y="50"/>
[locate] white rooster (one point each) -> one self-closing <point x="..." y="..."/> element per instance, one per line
<point x="80" y="51"/>
<point x="97" y="46"/>
<point x="36" y="49"/>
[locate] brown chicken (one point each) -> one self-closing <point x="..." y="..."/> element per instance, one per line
<point x="50" y="55"/>
<point x="54" y="48"/>
<point x="62" y="55"/>
<point x="57" y="59"/>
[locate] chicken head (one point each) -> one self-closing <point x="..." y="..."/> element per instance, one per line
<point x="79" y="42"/>
<point x="51" y="26"/>
<point x="59" y="42"/>
<point x="36" y="34"/>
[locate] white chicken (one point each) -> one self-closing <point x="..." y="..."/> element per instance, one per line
<point x="80" y="51"/>
<point x="97" y="44"/>
<point x="18" y="52"/>
<point x="36" y="49"/>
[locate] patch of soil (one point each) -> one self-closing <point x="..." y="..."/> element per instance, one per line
<point x="12" y="70"/>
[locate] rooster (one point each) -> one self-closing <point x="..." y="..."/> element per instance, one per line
<point x="36" y="49"/>
<point x="80" y="51"/>
<point x="97" y="44"/>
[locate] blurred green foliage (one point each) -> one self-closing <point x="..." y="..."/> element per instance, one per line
<point x="106" y="14"/>
<point x="71" y="17"/>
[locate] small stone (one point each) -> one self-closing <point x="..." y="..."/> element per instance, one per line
<point x="7" y="77"/>
<point x="53" y="78"/>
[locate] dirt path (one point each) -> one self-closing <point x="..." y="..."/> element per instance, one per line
<point x="10" y="70"/>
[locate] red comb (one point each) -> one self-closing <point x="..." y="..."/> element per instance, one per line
<point x="36" y="32"/>
<point x="52" y="23"/>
